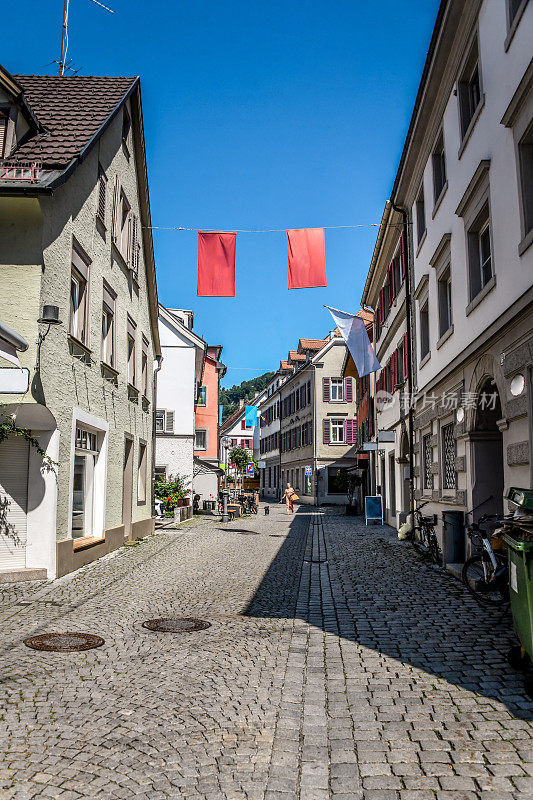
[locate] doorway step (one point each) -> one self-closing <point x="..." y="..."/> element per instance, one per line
<point x="27" y="574"/>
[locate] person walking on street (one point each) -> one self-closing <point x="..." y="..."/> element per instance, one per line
<point x="289" y="495"/>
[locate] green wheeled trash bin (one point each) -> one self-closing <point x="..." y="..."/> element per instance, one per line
<point x="520" y="556"/>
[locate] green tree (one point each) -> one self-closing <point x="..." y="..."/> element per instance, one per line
<point x="240" y="457"/>
<point x="229" y="398"/>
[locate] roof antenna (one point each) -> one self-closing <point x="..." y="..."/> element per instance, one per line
<point x="64" y="34"/>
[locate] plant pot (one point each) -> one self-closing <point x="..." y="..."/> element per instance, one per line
<point x="186" y="501"/>
<point x="180" y="501"/>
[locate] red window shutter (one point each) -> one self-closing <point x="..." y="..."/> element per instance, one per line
<point x="348" y="390"/>
<point x="390" y="285"/>
<point x="326" y="431"/>
<point x="403" y="256"/>
<point x="242" y="424"/>
<point x="326" y="390"/>
<point x="348" y="431"/>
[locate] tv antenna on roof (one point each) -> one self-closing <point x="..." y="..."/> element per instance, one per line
<point x="64" y="34"/>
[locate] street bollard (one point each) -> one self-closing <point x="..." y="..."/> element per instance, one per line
<point x="225" y="494"/>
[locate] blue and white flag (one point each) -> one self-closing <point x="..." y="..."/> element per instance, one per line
<point x="354" y="334"/>
<point x="250" y="416"/>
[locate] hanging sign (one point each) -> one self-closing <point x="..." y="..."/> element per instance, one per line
<point x="14" y="381"/>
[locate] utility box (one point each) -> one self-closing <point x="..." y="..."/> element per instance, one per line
<point x="453" y="540"/>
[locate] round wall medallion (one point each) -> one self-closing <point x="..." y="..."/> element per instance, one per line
<point x="176" y="624"/>
<point x="518" y="384"/>
<point x="64" y="642"/>
<point x="460" y="414"/>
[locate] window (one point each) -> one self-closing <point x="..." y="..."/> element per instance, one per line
<point x="439" y="168"/>
<point x="200" y="439"/>
<point x="420" y="208"/>
<point x="424" y="330"/>
<point x="85" y="458"/>
<point x="144" y="367"/>
<point x="160" y="474"/>
<point x="337" y="431"/>
<point x="141" y="474"/>
<point x="108" y="327"/>
<point x="132" y="371"/>
<point x="397" y="274"/>
<point x="124" y="226"/>
<point x="337" y="392"/>
<point x="160" y="421"/>
<point x="469" y="90"/>
<point x="126" y="129"/>
<point x="448" y="457"/>
<point x="79" y="293"/>
<point x="479" y="252"/>
<point x="525" y="155"/>
<point x="102" y="191"/>
<point x="202" y="396"/>
<point x="444" y="287"/>
<point x="337" y="479"/>
<point x="427" y="453"/>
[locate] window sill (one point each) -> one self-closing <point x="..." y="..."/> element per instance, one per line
<point x="133" y="393"/>
<point x="471" y="126"/>
<point x="526" y="242"/>
<point x="514" y="25"/>
<point x="141" y="502"/>
<point x="425" y="360"/>
<point x="445" y="336"/>
<point x="109" y="372"/>
<point x="439" y="199"/>
<point x="421" y="242"/>
<point x="145" y="403"/>
<point x="86" y="541"/>
<point x="481" y="295"/>
<point x="79" y="345"/>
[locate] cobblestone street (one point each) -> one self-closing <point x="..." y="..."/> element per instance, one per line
<point x="338" y="665"/>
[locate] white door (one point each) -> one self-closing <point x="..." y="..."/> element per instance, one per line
<point x="14" y="458"/>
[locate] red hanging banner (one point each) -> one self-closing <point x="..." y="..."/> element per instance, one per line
<point x="216" y="264"/>
<point x="307" y="258"/>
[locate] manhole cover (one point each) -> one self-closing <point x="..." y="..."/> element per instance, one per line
<point x="64" y="642"/>
<point x="176" y="624"/>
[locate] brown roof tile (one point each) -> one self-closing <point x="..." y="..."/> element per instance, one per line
<point x="311" y="344"/>
<point x="72" y="109"/>
<point x="295" y="356"/>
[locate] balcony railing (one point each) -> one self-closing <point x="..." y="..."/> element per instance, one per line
<point x="20" y="171"/>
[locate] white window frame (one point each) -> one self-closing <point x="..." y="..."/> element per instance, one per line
<point x="338" y="383"/>
<point x="337" y="426"/>
<point x="204" y="431"/>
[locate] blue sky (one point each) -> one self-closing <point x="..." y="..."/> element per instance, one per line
<point x="257" y="115"/>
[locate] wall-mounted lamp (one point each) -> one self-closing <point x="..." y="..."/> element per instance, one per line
<point x="49" y="317"/>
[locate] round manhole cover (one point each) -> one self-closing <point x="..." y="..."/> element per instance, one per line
<point x="64" y="642"/>
<point x="176" y="624"/>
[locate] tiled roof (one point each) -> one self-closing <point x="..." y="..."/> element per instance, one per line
<point x="366" y="316"/>
<point x="311" y="344"/>
<point x="72" y="109"/>
<point x="285" y="365"/>
<point x="295" y="356"/>
<point x="229" y="422"/>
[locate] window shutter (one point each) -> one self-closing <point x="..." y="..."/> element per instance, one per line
<point x="242" y="424"/>
<point x="405" y="356"/>
<point x="169" y="422"/>
<point x="116" y="215"/>
<point x="392" y="281"/>
<point x="326" y="390"/>
<point x="403" y="255"/>
<point x="326" y="431"/>
<point x="3" y="131"/>
<point x="310" y="432"/>
<point x="348" y="390"/>
<point x="351" y="427"/>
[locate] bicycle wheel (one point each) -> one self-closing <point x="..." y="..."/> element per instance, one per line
<point x="477" y="575"/>
<point x="434" y="550"/>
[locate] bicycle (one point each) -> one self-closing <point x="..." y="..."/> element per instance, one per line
<point x="484" y="574"/>
<point x="427" y="542"/>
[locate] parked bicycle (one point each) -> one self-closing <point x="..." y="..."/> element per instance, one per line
<point x="424" y="537"/>
<point x="485" y="573"/>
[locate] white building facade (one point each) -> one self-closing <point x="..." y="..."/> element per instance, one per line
<point x="177" y="386"/>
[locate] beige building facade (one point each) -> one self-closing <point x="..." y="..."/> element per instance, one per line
<point x="76" y="237"/>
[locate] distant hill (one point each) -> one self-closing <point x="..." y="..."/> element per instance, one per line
<point x="229" y="398"/>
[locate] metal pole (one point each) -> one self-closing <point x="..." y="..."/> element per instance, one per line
<point x="61" y="65"/>
<point x="225" y="517"/>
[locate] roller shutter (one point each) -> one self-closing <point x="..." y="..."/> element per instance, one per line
<point x="14" y="456"/>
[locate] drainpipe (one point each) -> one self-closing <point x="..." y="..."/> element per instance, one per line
<point x="409" y="321"/>
<point x="159" y="360"/>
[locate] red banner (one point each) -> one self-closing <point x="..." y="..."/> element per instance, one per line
<point x="216" y="264"/>
<point x="307" y="258"/>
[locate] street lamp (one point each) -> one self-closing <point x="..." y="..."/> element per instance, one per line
<point x="225" y="492"/>
<point x="50" y="317"/>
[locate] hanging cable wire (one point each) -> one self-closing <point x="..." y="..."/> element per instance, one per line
<point x="266" y="230"/>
